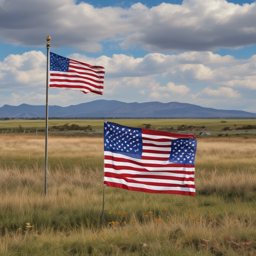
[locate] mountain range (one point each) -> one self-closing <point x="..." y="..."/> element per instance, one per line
<point x="118" y="109"/>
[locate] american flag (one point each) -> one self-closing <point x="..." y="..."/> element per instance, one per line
<point x="66" y="73"/>
<point x="149" y="161"/>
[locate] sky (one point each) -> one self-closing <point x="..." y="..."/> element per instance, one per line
<point x="200" y="52"/>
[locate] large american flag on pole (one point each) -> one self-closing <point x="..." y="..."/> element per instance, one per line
<point x="149" y="161"/>
<point x="70" y="74"/>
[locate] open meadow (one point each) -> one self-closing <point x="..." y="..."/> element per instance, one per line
<point x="219" y="220"/>
<point x="245" y="128"/>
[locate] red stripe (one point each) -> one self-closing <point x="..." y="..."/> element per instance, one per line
<point x="157" y="140"/>
<point x="85" y="64"/>
<point x="139" y="170"/>
<point x="98" y="74"/>
<point x="72" y="87"/>
<point x="159" y="177"/>
<point x="84" y="81"/>
<point x="118" y="185"/>
<point x="124" y="160"/>
<point x="168" y="134"/>
<point x="97" y="92"/>
<point x="73" y="68"/>
<point x="69" y="75"/>
<point x="76" y="86"/>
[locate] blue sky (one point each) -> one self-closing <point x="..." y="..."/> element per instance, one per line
<point x="192" y="51"/>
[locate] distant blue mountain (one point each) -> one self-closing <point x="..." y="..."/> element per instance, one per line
<point x="118" y="109"/>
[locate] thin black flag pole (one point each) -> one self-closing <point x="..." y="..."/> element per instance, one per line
<point x="46" y="118"/>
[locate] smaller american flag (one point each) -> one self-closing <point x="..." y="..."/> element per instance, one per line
<point x="70" y="74"/>
<point x="149" y="161"/>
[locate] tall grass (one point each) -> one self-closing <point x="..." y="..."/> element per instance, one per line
<point x="219" y="220"/>
<point x="97" y="124"/>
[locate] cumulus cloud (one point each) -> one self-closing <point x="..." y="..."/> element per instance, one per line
<point x="221" y="92"/>
<point x="205" y="78"/>
<point x="207" y="68"/>
<point x="62" y="98"/>
<point x="201" y="68"/>
<point x="170" y="91"/>
<point x="196" y="65"/>
<point x="249" y="83"/>
<point x="21" y="71"/>
<point x="196" y="25"/>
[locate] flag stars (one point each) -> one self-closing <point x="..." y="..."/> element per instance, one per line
<point x="183" y="151"/>
<point x="122" y="139"/>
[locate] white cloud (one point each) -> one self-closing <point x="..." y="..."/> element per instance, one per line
<point x="186" y="66"/>
<point x="29" y="69"/>
<point x="206" y="78"/>
<point x="196" y="25"/>
<point x="56" y="97"/>
<point x="192" y="72"/>
<point x="249" y="83"/>
<point x="169" y="91"/>
<point x="21" y="71"/>
<point x="222" y="92"/>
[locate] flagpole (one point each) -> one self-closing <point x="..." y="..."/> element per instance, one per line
<point x="104" y="185"/>
<point x="102" y="221"/>
<point x="46" y="117"/>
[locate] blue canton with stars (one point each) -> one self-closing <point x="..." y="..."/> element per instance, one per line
<point x="122" y="139"/>
<point x="58" y="63"/>
<point x="183" y="151"/>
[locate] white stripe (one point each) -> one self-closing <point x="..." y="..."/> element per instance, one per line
<point x="143" y="186"/>
<point x="120" y="155"/>
<point x="180" y="182"/>
<point x="76" y="72"/>
<point x="151" y="169"/>
<point x="155" y="137"/>
<point x="124" y="171"/>
<point x="76" y="79"/>
<point x="156" y="155"/>
<point x="91" y="74"/>
<point x="157" y="142"/>
<point x="156" y="148"/>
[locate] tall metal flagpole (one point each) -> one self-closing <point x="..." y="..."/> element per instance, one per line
<point x="102" y="218"/>
<point x="46" y="118"/>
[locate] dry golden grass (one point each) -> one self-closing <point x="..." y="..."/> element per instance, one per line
<point x="57" y="146"/>
<point x="213" y="150"/>
<point x="228" y="151"/>
<point x="220" y="220"/>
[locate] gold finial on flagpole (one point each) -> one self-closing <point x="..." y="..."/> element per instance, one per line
<point x="48" y="39"/>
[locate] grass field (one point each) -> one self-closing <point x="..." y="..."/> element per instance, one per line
<point x="219" y="220"/>
<point x="215" y="127"/>
<point x="156" y="123"/>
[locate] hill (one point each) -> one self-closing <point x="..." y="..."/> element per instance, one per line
<point x="118" y="109"/>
